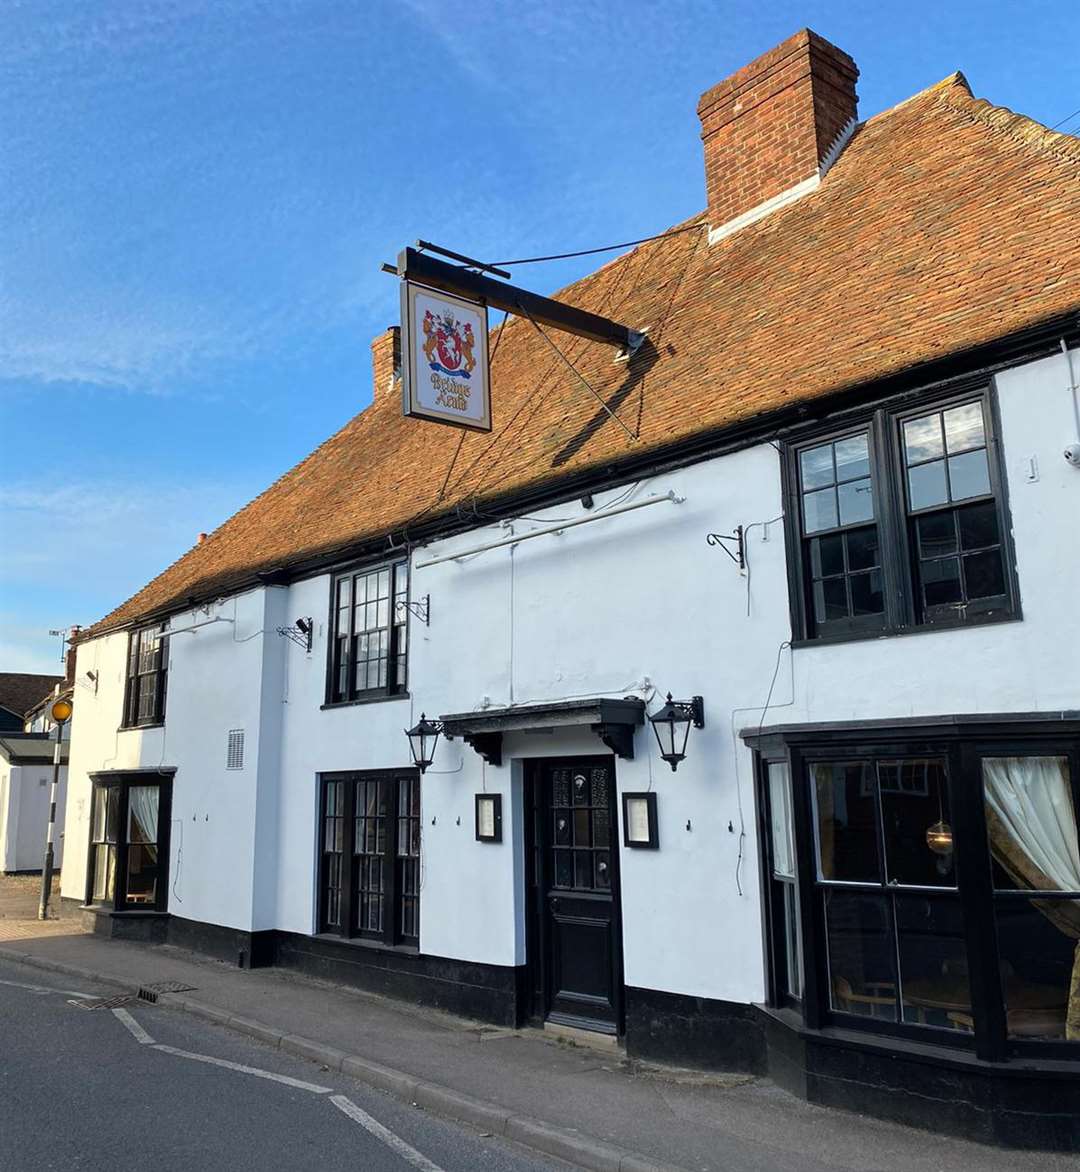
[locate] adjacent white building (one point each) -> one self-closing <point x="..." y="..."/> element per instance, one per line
<point x="844" y="521"/>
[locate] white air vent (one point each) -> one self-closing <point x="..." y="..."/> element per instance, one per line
<point x="234" y="756"/>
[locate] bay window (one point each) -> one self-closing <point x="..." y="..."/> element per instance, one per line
<point x="129" y="832"/>
<point x="923" y="880"/>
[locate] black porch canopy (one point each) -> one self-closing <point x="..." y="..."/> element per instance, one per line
<point x="613" y="721"/>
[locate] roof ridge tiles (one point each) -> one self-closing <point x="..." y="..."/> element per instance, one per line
<point x="1020" y="127"/>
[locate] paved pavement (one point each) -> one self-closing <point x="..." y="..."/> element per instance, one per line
<point x="517" y="1080"/>
<point x="146" y="1087"/>
<point x="19" y="899"/>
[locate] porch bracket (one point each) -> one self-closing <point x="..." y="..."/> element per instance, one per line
<point x="619" y="738"/>
<point x="487" y="744"/>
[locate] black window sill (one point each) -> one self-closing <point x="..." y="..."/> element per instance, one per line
<point x="937" y="1053"/>
<point x="368" y="944"/>
<point x="381" y="699"/>
<point x="141" y="727"/>
<point x="128" y="913"/>
<point x="827" y="637"/>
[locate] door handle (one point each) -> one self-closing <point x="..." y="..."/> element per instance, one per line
<point x="554" y="903"/>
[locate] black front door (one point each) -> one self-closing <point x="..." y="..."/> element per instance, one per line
<point x="576" y="893"/>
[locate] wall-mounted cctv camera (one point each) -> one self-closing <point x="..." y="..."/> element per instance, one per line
<point x="1072" y="454"/>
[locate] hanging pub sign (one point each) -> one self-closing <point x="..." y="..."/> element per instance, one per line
<point x="444" y="358"/>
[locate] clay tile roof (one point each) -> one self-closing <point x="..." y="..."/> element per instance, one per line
<point x="21" y="691"/>
<point x="946" y="223"/>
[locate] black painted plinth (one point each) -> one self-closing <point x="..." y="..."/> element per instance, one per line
<point x="694" y="1031"/>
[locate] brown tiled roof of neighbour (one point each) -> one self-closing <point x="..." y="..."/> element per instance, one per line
<point x="945" y="224"/>
<point x="21" y="691"/>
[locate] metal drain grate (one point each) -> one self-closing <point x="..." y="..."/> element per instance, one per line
<point x="102" y="1002"/>
<point x="150" y="992"/>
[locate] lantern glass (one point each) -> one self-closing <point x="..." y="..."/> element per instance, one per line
<point x="672" y="727"/>
<point x="423" y="737"/>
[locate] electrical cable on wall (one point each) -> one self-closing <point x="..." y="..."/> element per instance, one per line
<point x="735" y="747"/>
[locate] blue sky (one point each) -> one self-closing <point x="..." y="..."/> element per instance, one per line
<point x="195" y="198"/>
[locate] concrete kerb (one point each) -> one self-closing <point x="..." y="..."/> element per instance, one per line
<point x="565" y="1144"/>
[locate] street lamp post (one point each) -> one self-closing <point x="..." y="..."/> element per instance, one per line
<point x="61" y="714"/>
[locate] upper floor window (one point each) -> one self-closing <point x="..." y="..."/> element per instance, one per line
<point x="898" y="522"/>
<point x="370" y="631"/>
<point x="147" y="667"/>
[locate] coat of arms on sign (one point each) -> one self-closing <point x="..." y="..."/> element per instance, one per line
<point x="444" y="358"/>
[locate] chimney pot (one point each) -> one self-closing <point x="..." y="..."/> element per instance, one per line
<point x="200" y="539"/>
<point x="771" y="127"/>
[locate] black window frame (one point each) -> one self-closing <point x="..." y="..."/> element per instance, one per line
<point x="137" y="678"/>
<point x="963" y="745"/>
<point x="902" y="614"/>
<point x="122" y="786"/>
<point x="400" y="855"/>
<point x="341" y="648"/>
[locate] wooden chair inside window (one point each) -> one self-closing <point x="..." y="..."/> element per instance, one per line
<point x="874" y="998"/>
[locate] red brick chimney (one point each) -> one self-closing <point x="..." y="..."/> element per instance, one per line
<point x="385" y="362"/>
<point x="773" y="129"/>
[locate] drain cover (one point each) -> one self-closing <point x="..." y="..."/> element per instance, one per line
<point x="103" y="1002"/>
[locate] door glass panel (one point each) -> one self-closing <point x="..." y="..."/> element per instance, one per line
<point x="862" y="954"/>
<point x="918" y="826"/>
<point x="933" y="962"/>
<point x="846" y="815"/>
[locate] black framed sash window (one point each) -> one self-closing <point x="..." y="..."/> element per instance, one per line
<point x="129" y="843"/>
<point x="926" y="883"/>
<point x="899" y="522"/>
<point x="147" y="669"/>
<point x="369" y="871"/>
<point x="368" y="647"/>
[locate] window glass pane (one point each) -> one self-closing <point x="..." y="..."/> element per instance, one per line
<point x="781" y="822"/>
<point x="862" y="548"/>
<point x="984" y="575"/>
<point x="933" y="962"/>
<point x="918" y="824"/>
<point x="937" y="534"/>
<point x="816" y="465"/>
<point x="922" y="438"/>
<point x="1031" y="823"/>
<point x="1037" y="951"/>
<point x="941" y="582"/>
<point x="142" y="873"/>
<point x="978" y="525"/>
<point x="969" y="475"/>
<point x="104" y="873"/>
<point x="792" y="942"/>
<point x="112" y="814"/>
<point x="852" y="458"/>
<point x="867" y="596"/>
<point x="856" y="502"/>
<point x="97" y="832"/>
<point x="827" y="555"/>
<point x="862" y="955"/>
<point x="819" y="510"/>
<point x="964" y="428"/>
<point x="830" y="600"/>
<point x="846" y="815"/>
<point x="926" y="485"/>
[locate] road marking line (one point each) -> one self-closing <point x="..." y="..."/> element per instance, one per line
<point x="140" y="1035"/>
<point x="282" y="1078"/>
<point x="395" y="1142"/>
<point x="45" y="989"/>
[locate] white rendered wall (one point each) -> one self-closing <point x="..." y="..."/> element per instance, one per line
<point x="597" y="610"/>
<point x="24" y="812"/>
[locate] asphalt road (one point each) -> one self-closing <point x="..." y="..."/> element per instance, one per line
<point x="99" y="1089"/>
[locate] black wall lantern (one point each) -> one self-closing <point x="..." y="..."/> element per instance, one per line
<point x="423" y="737"/>
<point x="672" y="726"/>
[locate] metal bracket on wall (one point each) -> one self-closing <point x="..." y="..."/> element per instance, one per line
<point x="487" y="744"/>
<point x="738" y="553"/>
<point x="419" y="608"/>
<point x="300" y="632"/>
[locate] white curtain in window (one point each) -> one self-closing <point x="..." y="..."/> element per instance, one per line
<point x="1032" y="799"/>
<point x="143" y="817"/>
<point x="783" y="829"/>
